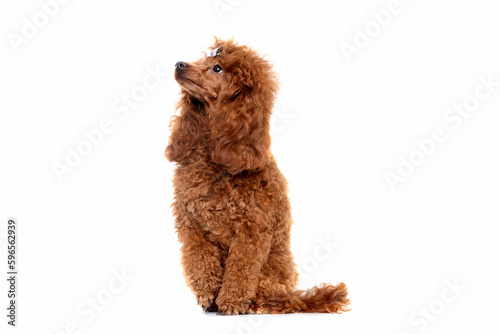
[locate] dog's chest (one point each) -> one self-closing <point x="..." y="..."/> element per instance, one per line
<point x="206" y="195"/>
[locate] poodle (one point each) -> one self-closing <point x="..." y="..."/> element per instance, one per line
<point x="231" y="208"/>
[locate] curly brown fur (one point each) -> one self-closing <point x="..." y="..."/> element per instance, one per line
<point x="232" y="212"/>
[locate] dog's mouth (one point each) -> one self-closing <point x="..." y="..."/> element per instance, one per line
<point x="182" y="80"/>
<point x="194" y="88"/>
<point x="194" y="82"/>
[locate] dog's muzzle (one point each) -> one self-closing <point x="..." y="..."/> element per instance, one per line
<point x="180" y="65"/>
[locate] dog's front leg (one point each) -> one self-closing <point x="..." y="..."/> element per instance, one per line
<point x="200" y="263"/>
<point x="247" y="254"/>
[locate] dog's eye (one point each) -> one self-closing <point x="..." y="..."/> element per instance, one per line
<point x="217" y="69"/>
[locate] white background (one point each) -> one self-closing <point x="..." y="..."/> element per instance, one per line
<point x="343" y="125"/>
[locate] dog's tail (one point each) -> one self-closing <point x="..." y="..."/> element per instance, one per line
<point x="325" y="298"/>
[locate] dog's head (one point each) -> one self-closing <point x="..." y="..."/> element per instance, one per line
<point x="231" y="90"/>
<point x="227" y="72"/>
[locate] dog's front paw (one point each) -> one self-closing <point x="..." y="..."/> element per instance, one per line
<point x="206" y="301"/>
<point x="232" y="306"/>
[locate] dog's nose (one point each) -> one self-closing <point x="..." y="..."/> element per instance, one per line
<point x="180" y="65"/>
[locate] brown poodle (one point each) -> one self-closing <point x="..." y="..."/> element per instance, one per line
<point x="232" y="212"/>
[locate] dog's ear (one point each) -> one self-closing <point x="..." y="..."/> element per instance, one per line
<point x="240" y="137"/>
<point x="187" y="129"/>
<point x="240" y="130"/>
